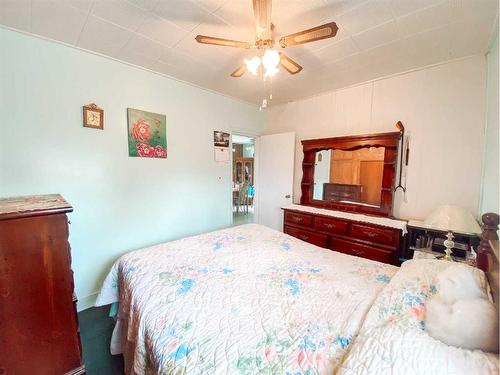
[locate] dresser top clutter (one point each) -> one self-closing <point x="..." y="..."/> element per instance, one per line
<point x="34" y="205"/>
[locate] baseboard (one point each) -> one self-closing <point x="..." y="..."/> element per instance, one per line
<point x="86" y="302"/>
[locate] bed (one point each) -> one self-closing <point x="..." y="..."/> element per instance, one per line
<point x="251" y="300"/>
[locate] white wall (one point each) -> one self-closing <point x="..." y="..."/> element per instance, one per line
<point x="120" y="203"/>
<point x="491" y="168"/>
<point x="443" y="109"/>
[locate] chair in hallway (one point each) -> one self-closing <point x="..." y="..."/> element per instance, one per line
<point x="241" y="199"/>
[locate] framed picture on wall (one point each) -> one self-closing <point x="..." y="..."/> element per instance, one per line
<point x="93" y="116"/>
<point x="147" y="134"/>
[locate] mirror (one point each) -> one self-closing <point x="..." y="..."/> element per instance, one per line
<point x="353" y="173"/>
<point x="349" y="176"/>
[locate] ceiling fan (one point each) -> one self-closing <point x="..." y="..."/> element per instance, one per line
<point x="264" y="43"/>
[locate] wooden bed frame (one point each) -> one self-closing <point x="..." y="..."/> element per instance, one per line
<point x="487" y="253"/>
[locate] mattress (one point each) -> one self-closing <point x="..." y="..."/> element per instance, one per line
<point x="242" y="300"/>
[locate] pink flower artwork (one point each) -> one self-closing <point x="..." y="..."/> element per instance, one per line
<point x="160" y="152"/>
<point x="147" y="134"/>
<point x="144" y="150"/>
<point x="141" y="131"/>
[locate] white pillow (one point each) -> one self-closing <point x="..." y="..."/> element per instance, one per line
<point x="460" y="313"/>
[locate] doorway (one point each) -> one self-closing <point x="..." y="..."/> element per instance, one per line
<point x="243" y="179"/>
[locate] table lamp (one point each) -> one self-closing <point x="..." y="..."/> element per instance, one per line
<point x="452" y="219"/>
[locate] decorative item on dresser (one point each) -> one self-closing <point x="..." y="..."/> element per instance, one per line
<point x="371" y="237"/>
<point x="38" y="318"/>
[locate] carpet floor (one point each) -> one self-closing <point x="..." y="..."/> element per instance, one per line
<point x="96" y="328"/>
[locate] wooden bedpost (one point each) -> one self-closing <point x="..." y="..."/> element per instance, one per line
<point x="490" y="227"/>
<point x="487" y="256"/>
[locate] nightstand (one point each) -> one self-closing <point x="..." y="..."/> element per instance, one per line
<point x="431" y="241"/>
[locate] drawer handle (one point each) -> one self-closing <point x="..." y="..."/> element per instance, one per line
<point x="358" y="252"/>
<point x="371" y="234"/>
<point x="304" y="237"/>
<point x="329" y="226"/>
<point x="297" y="219"/>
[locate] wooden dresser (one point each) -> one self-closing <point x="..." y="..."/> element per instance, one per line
<point x="39" y="332"/>
<point x="359" y="238"/>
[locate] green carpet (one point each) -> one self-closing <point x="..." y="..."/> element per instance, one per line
<point x="95" y="332"/>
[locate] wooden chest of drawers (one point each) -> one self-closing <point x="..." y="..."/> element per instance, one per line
<point x="351" y="237"/>
<point x="39" y="332"/>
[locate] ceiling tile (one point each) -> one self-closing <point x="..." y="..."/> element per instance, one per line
<point x="161" y="31"/>
<point x="383" y="34"/>
<point x="120" y="13"/>
<point x="83" y="5"/>
<point x="294" y="16"/>
<point x="426" y="19"/>
<point x="238" y="13"/>
<point x="474" y="41"/>
<point x="140" y="51"/>
<point x="16" y="14"/>
<point x="103" y="37"/>
<point x="365" y="16"/>
<point x="211" y="5"/>
<point x="175" y="57"/>
<point x="350" y="62"/>
<point x="473" y="9"/>
<point x="336" y="51"/>
<point x="306" y="60"/>
<point x="56" y="20"/>
<point x="430" y="47"/>
<point x="403" y="7"/>
<point x="144" y="4"/>
<point x="184" y="13"/>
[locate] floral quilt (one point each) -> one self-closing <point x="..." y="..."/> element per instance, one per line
<point x="244" y="300"/>
<point x="393" y="339"/>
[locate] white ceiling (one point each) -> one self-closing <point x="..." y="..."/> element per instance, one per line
<point x="375" y="37"/>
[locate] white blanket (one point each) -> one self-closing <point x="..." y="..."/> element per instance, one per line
<point x="393" y="339"/>
<point x="243" y="300"/>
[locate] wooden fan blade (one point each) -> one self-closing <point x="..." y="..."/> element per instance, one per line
<point x="239" y="72"/>
<point x="262" y="10"/>
<point x="325" y="31"/>
<point x="289" y="65"/>
<point x="221" y="42"/>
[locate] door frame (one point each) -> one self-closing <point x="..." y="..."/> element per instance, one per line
<point x="256" y="138"/>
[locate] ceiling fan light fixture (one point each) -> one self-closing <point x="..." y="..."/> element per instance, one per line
<point x="271" y="72"/>
<point x="253" y="65"/>
<point x="271" y="60"/>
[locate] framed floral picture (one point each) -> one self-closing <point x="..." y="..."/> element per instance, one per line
<point x="147" y="134"/>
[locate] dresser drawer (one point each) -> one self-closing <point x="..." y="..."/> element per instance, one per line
<point x="379" y="235"/>
<point x="305" y="235"/>
<point x="298" y="219"/>
<point x="363" y="251"/>
<point x="330" y="225"/>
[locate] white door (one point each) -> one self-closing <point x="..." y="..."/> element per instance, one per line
<point x="276" y="154"/>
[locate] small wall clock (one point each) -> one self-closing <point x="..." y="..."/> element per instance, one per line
<point x="93" y="116"/>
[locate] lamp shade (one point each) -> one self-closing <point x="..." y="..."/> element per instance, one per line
<point x="452" y="218"/>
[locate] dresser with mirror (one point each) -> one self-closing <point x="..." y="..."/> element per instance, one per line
<point x="347" y="196"/>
